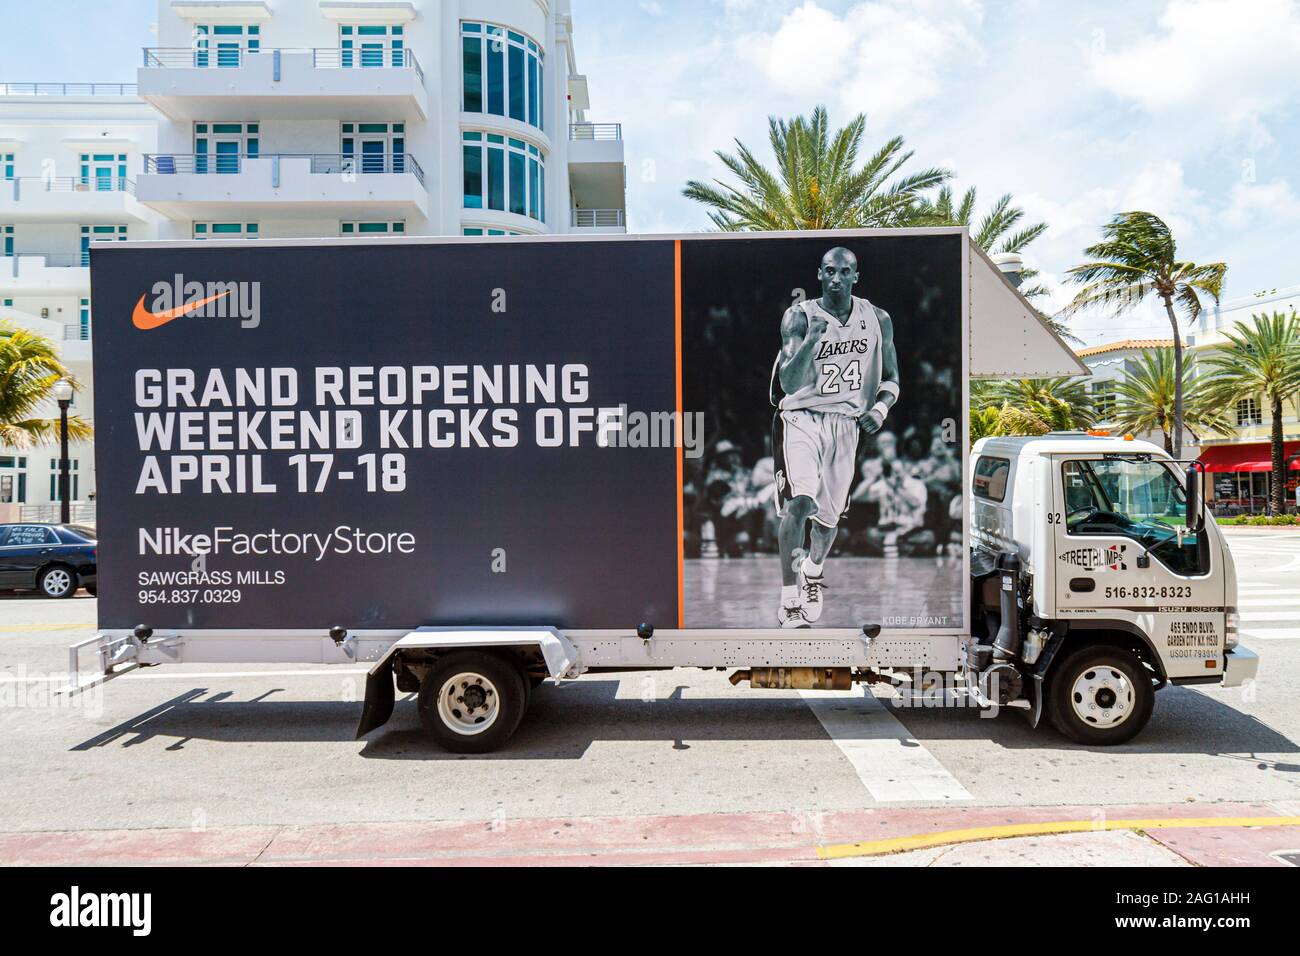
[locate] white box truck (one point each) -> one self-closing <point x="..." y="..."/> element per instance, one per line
<point x="476" y="465"/>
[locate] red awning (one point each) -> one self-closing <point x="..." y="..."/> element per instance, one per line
<point x="1257" y="456"/>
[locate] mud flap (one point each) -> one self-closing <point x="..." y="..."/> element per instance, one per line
<point x="380" y="695"/>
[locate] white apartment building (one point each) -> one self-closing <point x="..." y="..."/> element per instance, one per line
<point x="291" y="119"/>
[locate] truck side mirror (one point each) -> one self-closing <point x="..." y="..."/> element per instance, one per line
<point x="1195" y="507"/>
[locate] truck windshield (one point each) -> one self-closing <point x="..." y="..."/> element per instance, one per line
<point x="1142" y="500"/>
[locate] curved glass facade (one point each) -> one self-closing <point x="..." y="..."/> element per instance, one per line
<point x="504" y="173"/>
<point x="501" y="73"/>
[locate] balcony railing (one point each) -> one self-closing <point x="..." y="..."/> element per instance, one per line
<point x="30" y="185"/>
<point x="76" y="333"/>
<point x="593" y="218"/>
<point x="338" y="164"/>
<point x="76" y="260"/>
<point x="67" y="89"/>
<point x="596" y="131"/>
<point x="323" y="58"/>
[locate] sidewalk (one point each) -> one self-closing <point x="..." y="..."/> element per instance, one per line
<point x="1238" y="834"/>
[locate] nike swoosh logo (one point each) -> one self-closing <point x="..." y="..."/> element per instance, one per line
<point x="142" y="318"/>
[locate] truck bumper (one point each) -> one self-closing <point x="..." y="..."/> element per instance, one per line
<point x="1239" y="665"/>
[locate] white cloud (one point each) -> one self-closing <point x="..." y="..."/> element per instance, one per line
<point x="1220" y="64"/>
<point x="881" y="58"/>
<point x="1255" y="205"/>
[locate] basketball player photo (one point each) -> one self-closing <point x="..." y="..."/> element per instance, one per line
<point x="836" y="376"/>
<point x="828" y="374"/>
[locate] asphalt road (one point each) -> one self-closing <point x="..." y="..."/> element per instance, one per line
<point x="201" y="746"/>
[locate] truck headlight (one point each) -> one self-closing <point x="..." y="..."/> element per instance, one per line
<point x="1231" y="619"/>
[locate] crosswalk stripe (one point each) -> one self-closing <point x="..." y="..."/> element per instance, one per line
<point x="1271" y="634"/>
<point x="1271" y="601"/>
<point x="891" y="764"/>
<point x="1250" y="616"/>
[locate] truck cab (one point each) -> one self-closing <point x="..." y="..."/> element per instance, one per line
<point x="1099" y="579"/>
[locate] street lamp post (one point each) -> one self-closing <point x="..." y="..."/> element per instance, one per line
<point x="63" y="395"/>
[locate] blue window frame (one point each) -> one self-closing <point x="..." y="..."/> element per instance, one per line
<point x="99" y="232"/>
<point x="502" y="173"/>
<point x="371" y="45"/>
<point x="502" y="73"/>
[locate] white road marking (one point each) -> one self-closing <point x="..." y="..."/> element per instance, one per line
<point x="1271" y="600"/>
<point x="190" y="675"/>
<point x="892" y="765"/>
<point x="223" y="675"/>
<point x="1248" y="616"/>
<point x="1273" y="634"/>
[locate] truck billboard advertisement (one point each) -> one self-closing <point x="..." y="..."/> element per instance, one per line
<point x="700" y="432"/>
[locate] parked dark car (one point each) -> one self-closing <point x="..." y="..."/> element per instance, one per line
<point x="55" y="559"/>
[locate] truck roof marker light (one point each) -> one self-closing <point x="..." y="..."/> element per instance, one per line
<point x="1128" y="437"/>
<point x="1099" y="432"/>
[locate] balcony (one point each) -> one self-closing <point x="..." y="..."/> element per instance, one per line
<point x="284" y="186"/>
<point x="597" y="175"/>
<point x="67" y="89"/>
<point x="89" y="200"/>
<point x="186" y="83"/>
<point x="597" y="221"/>
<point x="595" y="144"/>
<point x="28" y="272"/>
<point x="72" y="341"/>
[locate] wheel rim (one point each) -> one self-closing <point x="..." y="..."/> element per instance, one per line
<point x="57" y="582"/>
<point x="1103" y="696"/>
<point x="468" y="704"/>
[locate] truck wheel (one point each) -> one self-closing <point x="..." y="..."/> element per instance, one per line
<point x="58" y="582"/>
<point x="1100" y="695"/>
<point x="472" y="701"/>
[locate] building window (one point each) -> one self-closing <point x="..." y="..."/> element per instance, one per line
<point x="1248" y="413"/>
<point x="373" y="147"/>
<point x="505" y="174"/>
<point x="1103" y="400"/>
<point x="225" y="230"/>
<point x="7" y="165"/>
<point x="13" y="480"/>
<point x="485" y="231"/>
<point x="371" y="45"/>
<point x="224" y="44"/>
<point x="218" y="147"/>
<point x="396" y="228"/>
<point x="83" y="320"/>
<point x="502" y="73"/>
<point x="99" y="233"/>
<point x="74" y="480"/>
<point x="103" y="172"/>
<point x="6" y="240"/>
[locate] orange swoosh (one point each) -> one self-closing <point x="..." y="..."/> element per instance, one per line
<point x="142" y="318"/>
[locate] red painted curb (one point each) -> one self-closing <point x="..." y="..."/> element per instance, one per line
<point x="783" y="837"/>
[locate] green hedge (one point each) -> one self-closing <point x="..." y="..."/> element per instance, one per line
<point x="1262" y="520"/>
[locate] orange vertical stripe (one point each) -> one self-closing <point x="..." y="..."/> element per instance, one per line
<point x="681" y="518"/>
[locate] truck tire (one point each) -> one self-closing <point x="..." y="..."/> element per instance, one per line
<point x="1100" y="695"/>
<point x="58" y="581"/>
<point x="472" y="701"/>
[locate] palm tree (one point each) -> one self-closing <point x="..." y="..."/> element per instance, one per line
<point x="1063" y="404"/>
<point x="1144" y="400"/>
<point x="1137" y="256"/>
<point x="1260" y="358"/>
<point x="817" y="183"/>
<point x="29" y="367"/>
<point x="1005" y="419"/>
<point x="993" y="233"/>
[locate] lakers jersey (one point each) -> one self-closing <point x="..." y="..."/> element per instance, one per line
<point x="846" y="364"/>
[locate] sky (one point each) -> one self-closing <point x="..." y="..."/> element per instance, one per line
<point x="1184" y="108"/>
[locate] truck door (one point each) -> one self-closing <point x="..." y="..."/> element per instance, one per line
<point x="1125" y="561"/>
